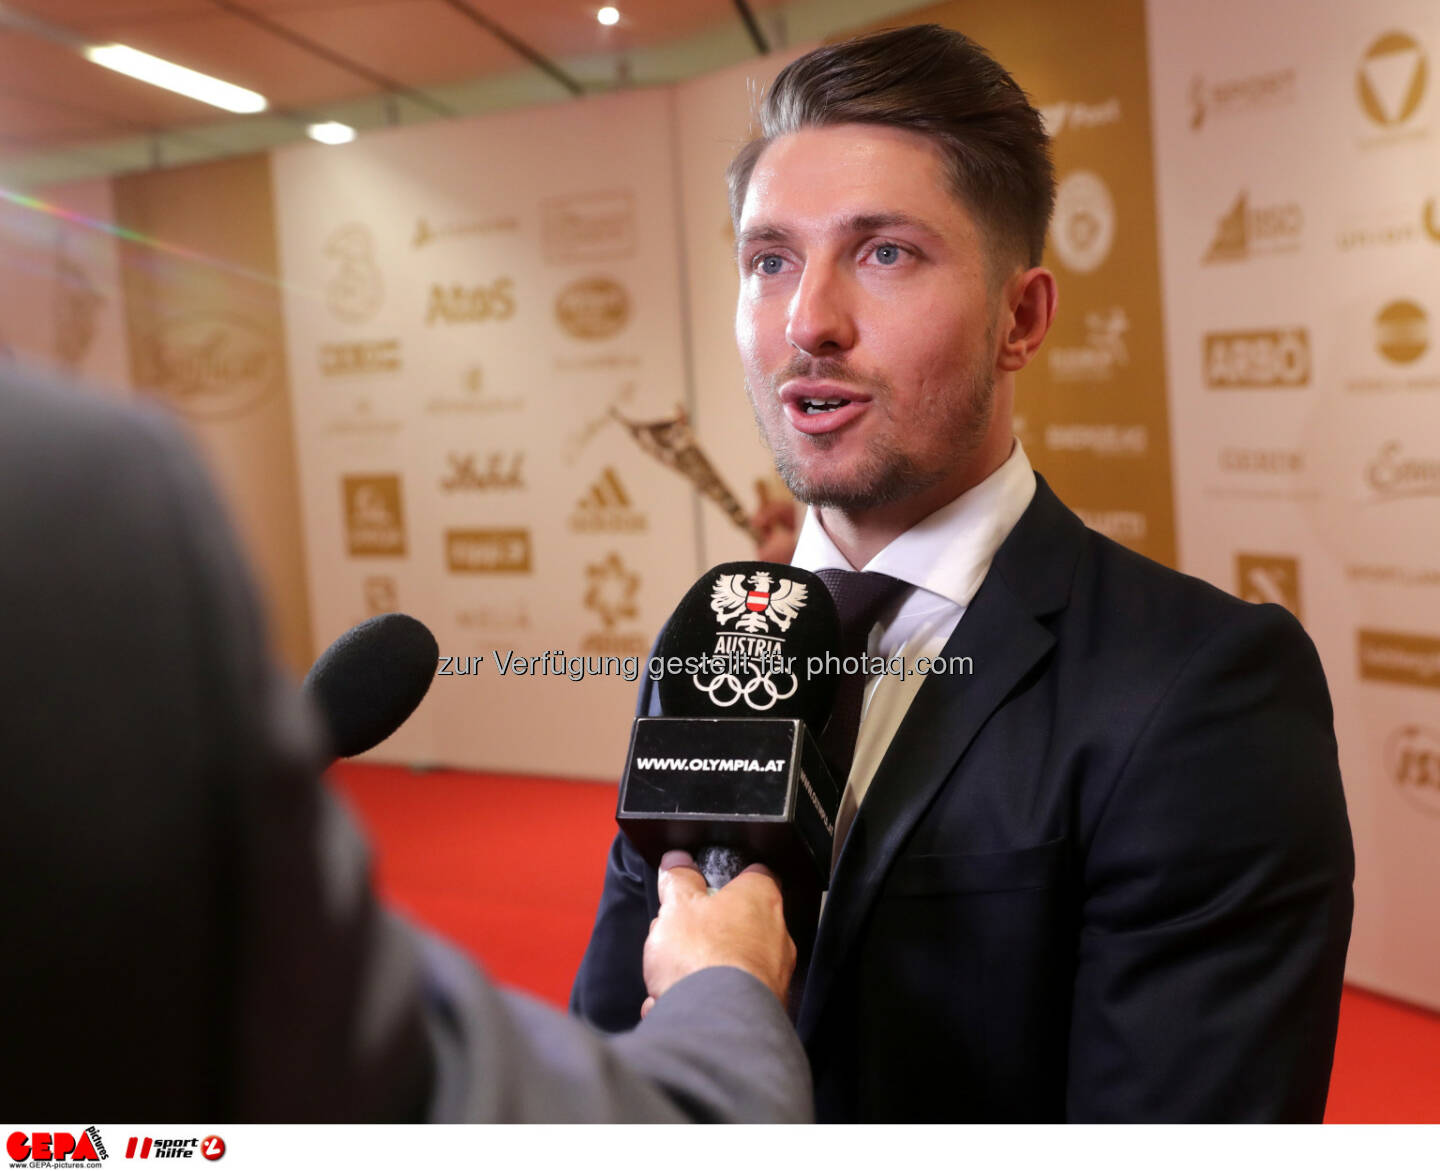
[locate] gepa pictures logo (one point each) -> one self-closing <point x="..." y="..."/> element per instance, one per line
<point x="44" y="1146"/>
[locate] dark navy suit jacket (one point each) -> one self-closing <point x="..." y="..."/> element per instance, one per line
<point x="1107" y="876"/>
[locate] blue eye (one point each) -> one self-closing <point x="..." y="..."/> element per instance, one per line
<point x="771" y="265"/>
<point x="887" y="254"/>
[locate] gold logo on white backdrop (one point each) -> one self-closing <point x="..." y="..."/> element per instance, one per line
<point x="1083" y="229"/>
<point x="1100" y="355"/>
<point x="1269" y="578"/>
<point x="355" y="290"/>
<point x="1394" y="475"/>
<point x="1268" y="461"/>
<point x="345" y="359"/>
<point x="382" y="595"/>
<point x="610" y="590"/>
<point x="497" y="474"/>
<point x="1118" y="524"/>
<point x="583" y="229"/>
<point x="488" y="550"/>
<point x="457" y="304"/>
<point x="1393" y="225"/>
<point x="427" y="232"/>
<point x="374" y="519"/>
<point x="1412" y="758"/>
<point x="1238" y="95"/>
<point x="211" y="365"/>
<point x="606" y="507"/>
<point x="1105" y="440"/>
<point x="509" y="615"/>
<point x="1245" y="231"/>
<point x="1430" y="218"/>
<point x="1402" y="332"/>
<point x="1395" y="656"/>
<point x="1058" y="116"/>
<point x="1275" y="359"/>
<point x="593" y="309"/>
<point x="1390" y="82"/>
<point x="475" y="397"/>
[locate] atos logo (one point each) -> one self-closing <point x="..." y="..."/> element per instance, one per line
<point x="43" y="1146"/>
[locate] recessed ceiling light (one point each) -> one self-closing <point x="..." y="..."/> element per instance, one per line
<point x="176" y="78"/>
<point x="331" y="133"/>
<point x="608" y="15"/>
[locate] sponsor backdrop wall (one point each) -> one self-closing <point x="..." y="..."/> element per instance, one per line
<point x="464" y="311"/>
<point x="1091" y="410"/>
<point x="453" y="312"/>
<point x="203" y="323"/>
<point x="1299" y="182"/>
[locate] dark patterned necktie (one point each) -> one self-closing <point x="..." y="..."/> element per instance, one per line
<point x="860" y="598"/>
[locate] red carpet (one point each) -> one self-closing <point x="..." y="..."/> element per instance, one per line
<point x="510" y="868"/>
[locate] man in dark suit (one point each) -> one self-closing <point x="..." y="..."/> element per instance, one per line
<point x="191" y="932"/>
<point x="1100" y="870"/>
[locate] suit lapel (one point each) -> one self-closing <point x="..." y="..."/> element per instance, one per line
<point x="1001" y="635"/>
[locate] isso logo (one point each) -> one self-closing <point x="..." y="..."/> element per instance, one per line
<point x="44" y="1146"/>
<point x="1412" y="756"/>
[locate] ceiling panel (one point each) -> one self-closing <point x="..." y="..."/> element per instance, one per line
<point x="416" y="42"/>
<point x="243" y="54"/>
<point x="565" y="28"/>
<point x="274" y="8"/>
<point x="44" y="71"/>
<point x="52" y="99"/>
<point x="25" y="121"/>
<point x="84" y="16"/>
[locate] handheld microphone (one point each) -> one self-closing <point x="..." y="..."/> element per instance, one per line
<point x="731" y="772"/>
<point x="370" y="679"/>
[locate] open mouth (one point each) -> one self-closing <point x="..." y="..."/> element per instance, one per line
<point x="818" y="409"/>
<point x="819" y="406"/>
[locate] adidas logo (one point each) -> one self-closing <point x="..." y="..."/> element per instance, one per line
<point x="606" y="508"/>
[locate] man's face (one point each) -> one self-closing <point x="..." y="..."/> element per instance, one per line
<point x="865" y="320"/>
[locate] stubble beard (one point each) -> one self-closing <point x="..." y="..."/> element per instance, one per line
<point x="888" y="474"/>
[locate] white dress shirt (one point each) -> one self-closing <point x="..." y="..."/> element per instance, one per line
<point x="944" y="558"/>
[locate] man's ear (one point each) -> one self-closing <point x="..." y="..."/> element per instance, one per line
<point x="1030" y="299"/>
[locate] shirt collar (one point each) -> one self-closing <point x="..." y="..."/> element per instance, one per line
<point x="949" y="552"/>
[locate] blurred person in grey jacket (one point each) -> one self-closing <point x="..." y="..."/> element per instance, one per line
<point x="192" y="930"/>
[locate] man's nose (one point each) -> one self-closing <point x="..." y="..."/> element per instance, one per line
<point x="821" y="316"/>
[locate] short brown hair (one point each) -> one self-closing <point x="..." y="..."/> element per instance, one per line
<point x="941" y="84"/>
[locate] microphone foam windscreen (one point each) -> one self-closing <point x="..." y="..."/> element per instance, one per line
<point x="744" y="634"/>
<point x="371" y="678"/>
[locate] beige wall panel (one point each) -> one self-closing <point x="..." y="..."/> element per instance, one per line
<point x="61" y="304"/>
<point x="206" y="337"/>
